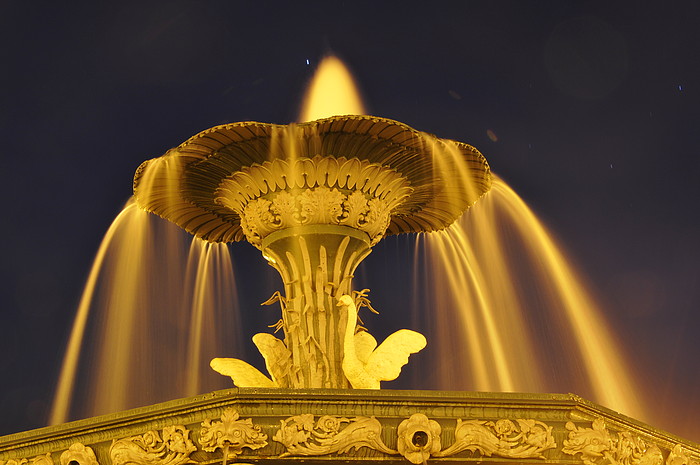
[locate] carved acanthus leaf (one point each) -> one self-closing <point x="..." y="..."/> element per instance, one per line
<point x="302" y="435"/>
<point x="174" y="448"/>
<point x="79" y="453"/>
<point x="231" y="434"/>
<point x="322" y="190"/>
<point x="503" y="438"/>
<point x="598" y="446"/>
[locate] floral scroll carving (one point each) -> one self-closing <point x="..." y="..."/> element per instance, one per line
<point x="231" y="434"/>
<point x="80" y="454"/>
<point x="518" y="439"/>
<point x="302" y="435"/>
<point x="597" y="446"/>
<point x="173" y="448"/>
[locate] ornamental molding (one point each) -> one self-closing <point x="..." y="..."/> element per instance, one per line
<point x="172" y="448"/>
<point x="303" y="435"/>
<point x="389" y="437"/>
<point x="231" y="434"/>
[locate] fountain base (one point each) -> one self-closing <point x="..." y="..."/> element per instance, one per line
<point x="349" y="426"/>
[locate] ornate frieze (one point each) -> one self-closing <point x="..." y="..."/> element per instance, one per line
<point x="367" y="427"/>
<point x="231" y="434"/>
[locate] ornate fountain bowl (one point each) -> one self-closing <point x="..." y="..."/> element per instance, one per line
<point x="314" y="198"/>
<point x="217" y="184"/>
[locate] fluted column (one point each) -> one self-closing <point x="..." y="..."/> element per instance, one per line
<point x="316" y="263"/>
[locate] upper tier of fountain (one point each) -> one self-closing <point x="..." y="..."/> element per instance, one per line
<point x="409" y="181"/>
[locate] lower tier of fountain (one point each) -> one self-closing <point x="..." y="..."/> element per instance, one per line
<point x="315" y="426"/>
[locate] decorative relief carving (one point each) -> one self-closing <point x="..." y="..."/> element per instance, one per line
<point x="598" y="447"/>
<point x="13" y="462"/>
<point x="320" y="205"/>
<point x="174" y="448"/>
<point x="231" y="434"/>
<point x="79" y="453"/>
<point x="419" y="438"/>
<point x="281" y="194"/>
<point x="43" y="460"/>
<point x="302" y="435"/>
<point x="680" y="456"/>
<point x="503" y="438"/>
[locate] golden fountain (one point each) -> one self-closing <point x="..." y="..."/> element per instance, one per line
<point x="314" y="198"/>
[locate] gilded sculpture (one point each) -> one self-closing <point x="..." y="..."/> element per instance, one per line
<point x="315" y="198"/>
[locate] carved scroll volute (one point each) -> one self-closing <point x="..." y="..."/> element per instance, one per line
<point x="174" y="448"/>
<point x="231" y="434"/>
<point x="302" y="435"/>
<point x="80" y="454"/>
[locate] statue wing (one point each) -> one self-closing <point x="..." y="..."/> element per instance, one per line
<point x="386" y="361"/>
<point x="243" y="374"/>
<point x="277" y="356"/>
<point x="365" y="343"/>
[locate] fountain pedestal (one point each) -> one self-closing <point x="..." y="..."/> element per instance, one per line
<point x="317" y="265"/>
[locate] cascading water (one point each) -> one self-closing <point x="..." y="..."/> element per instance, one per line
<point x="152" y="314"/>
<point x="483" y="271"/>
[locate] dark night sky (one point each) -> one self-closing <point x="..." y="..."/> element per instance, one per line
<point x="594" y="108"/>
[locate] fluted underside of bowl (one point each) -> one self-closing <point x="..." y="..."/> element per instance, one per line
<point x="443" y="178"/>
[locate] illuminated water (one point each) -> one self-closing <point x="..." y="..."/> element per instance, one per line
<point x="152" y="315"/>
<point x="524" y="321"/>
<point x="507" y="313"/>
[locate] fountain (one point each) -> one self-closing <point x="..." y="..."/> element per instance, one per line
<point x="314" y="198"/>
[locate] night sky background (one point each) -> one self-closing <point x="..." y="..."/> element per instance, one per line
<point x="592" y="113"/>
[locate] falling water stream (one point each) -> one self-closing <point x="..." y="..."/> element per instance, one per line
<point x="153" y="313"/>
